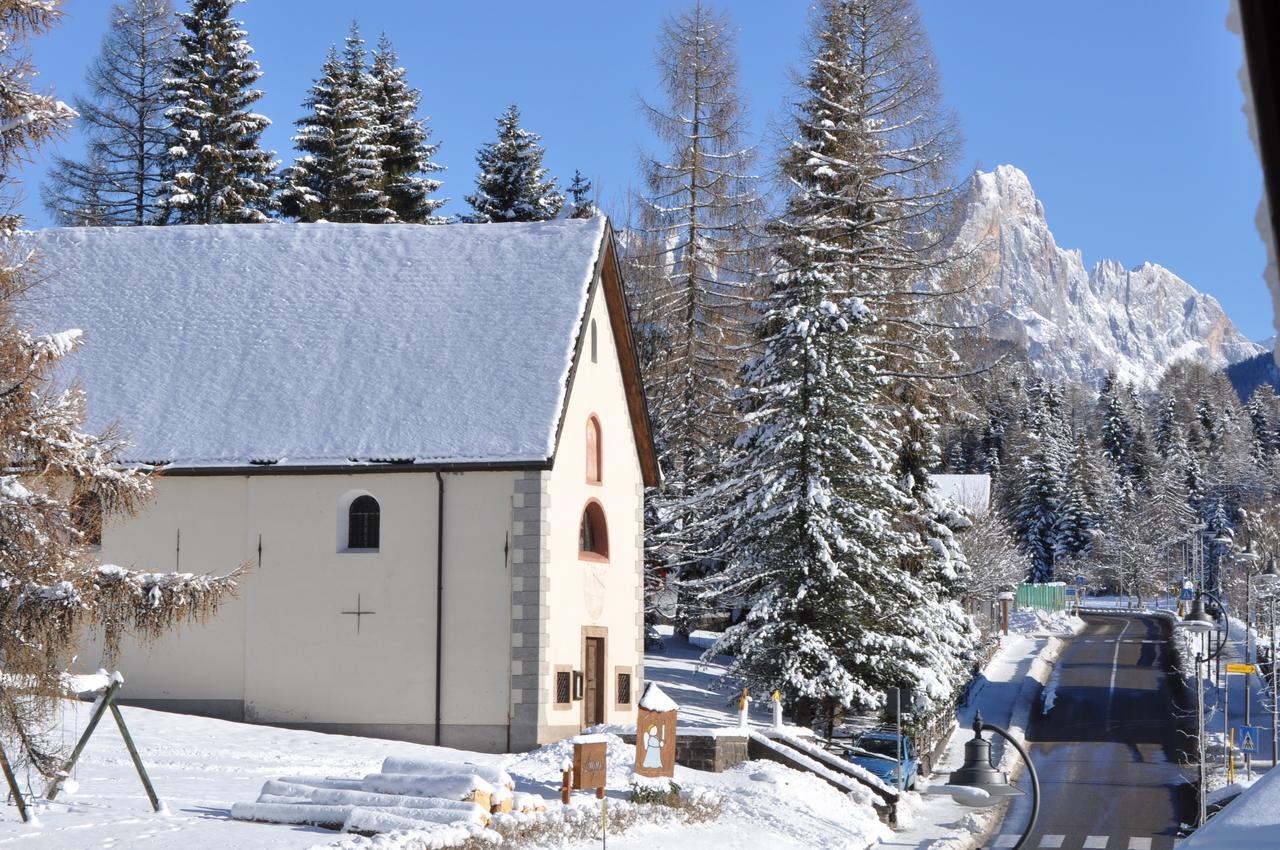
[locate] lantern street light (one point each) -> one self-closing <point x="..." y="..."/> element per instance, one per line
<point x="979" y="775"/>
<point x="1269" y="586"/>
<point x="1198" y="622"/>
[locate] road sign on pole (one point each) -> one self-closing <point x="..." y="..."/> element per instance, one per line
<point x="1248" y="739"/>
<point x="1188" y="595"/>
<point x="1246" y="669"/>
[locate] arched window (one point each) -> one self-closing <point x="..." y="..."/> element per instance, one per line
<point x="362" y="523"/>
<point x="594" y="446"/>
<point x="593" y="534"/>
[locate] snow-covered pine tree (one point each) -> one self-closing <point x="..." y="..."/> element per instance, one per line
<point x="512" y="185"/>
<point x="695" y="254"/>
<point x="1166" y="424"/>
<point x="817" y="534"/>
<point x="808" y="543"/>
<point x="339" y="177"/>
<point x="306" y="186"/>
<point x="405" y="139"/>
<point x="56" y="482"/>
<point x="581" y="204"/>
<point x="1117" y="426"/>
<point x="216" y="172"/>
<point x="877" y="143"/>
<point x="118" y="181"/>
<point x="1036" y="489"/>
<point x="1080" y="516"/>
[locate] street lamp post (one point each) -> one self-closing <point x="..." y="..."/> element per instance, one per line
<point x="1199" y="622"/>
<point x="1269" y="584"/>
<point x="978" y="773"/>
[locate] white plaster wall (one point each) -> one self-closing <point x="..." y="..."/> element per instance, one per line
<point x="284" y="646"/>
<point x="195" y="662"/>
<point x="583" y="593"/>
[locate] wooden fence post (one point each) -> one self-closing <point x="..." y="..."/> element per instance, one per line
<point x="104" y="702"/>
<point x="99" y="709"/>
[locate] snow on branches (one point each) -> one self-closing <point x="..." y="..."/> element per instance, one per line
<point x="57" y="483"/>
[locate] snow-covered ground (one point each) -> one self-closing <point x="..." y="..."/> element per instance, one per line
<point x="202" y="767"/>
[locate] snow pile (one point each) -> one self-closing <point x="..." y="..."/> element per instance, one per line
<point x="763" y="798"/>
<point x="545" y="764"/>
<point x="460" y="337"/>
<point x="1033" y="621"/>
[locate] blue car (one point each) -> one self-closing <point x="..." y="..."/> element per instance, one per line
<point x="877" y="751"/>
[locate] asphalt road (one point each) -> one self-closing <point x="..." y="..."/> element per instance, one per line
<point x="1109" y="751"/>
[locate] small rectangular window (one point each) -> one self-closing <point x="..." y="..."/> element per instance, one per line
<point x="564" y="680"/>
<point x="624" y="681"/>
<point x="593" y="340"/>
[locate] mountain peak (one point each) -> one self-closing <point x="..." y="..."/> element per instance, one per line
<point x="1006" y="188"/>
<point x="1075" y="323"/>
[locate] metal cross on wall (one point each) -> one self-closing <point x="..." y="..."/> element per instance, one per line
<point x="359" y="612"/>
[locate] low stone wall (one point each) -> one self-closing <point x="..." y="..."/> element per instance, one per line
<point x="716" y="753"/>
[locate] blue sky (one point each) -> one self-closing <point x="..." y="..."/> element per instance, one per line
<point x="1126" y="116"/>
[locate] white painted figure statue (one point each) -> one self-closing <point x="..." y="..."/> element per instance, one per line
<point x="653" y="747"/>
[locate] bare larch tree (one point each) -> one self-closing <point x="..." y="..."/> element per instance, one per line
<point x="694" y="263"/>
<point x="118" y="181"/>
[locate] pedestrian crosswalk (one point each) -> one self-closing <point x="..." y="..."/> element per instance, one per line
<point x="1051" y="841"/>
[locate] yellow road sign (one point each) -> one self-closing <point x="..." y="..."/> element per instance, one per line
<point x="1241" y="668"/>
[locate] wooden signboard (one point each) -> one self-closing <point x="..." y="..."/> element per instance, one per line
<point x="590" y="758"/>
<point x="655" y="743"/>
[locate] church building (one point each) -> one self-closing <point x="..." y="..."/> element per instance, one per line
<point x="428" y="446"/>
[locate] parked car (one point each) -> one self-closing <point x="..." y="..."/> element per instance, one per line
<point x="877" y="750"/>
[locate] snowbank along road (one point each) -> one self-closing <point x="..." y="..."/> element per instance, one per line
<point x="1109" y="749"/>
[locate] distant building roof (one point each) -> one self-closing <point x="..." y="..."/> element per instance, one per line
<point x="972" y="492"/>
<point x="323" y="343"/>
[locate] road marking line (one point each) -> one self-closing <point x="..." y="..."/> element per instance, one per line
<point x="1115" y="665"/>
<point x="1096" y="842"/>
<point x="1139" y="844"/>
<point x="1055" y="841"/>
<point x="1006" y="840"/>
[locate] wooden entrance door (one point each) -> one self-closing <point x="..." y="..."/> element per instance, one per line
<point x="593" y="682"/>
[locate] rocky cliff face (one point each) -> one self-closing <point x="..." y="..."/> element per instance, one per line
<point x="1077" y="323"/>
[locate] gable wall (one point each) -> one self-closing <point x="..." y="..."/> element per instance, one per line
<point x="584" y="594"/>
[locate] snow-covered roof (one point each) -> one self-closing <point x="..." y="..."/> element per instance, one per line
<point x="322" y="343"/>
